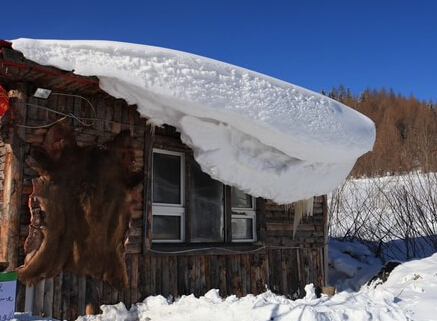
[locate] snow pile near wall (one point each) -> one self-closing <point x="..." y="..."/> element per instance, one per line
<point x="266" y="306"/>
<point x="265" y="136"/>
<point x="351" y="265"/>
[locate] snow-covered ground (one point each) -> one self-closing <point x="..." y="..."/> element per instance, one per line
<point x="410" y="293"/>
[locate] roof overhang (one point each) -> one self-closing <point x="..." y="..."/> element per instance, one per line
<point x="15" y="68"/>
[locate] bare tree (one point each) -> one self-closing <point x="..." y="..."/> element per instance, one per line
<point x="396" y="216"/>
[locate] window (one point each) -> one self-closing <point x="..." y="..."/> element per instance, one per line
<point x="206" y="207"/>
<point x="168" y="196"/>
<point x="207" y="215"/>
<point x="243" y="216"/>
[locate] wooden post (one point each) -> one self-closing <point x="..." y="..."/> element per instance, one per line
<point x="13" y="181"/>
<point x="38" y="302"/>
<point x="29" y="298"/>
<point x="228" y="215"/>
<point x="147" y="190"/>
<point x="326" y="239"/>
<point x="261" y="219"/>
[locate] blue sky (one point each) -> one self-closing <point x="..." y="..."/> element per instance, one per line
<point x="313" y="44"/>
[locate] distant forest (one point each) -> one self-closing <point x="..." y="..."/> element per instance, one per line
<point x="406" y="131"/>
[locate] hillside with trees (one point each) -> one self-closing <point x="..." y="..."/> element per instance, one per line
<point x="389" y="201"/>
<point x="406" y="131"/>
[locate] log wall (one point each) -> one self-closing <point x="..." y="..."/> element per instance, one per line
<point x="284" y="271"/>
<point x="277" y="261"/>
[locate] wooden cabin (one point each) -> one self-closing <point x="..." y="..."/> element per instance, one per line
<point x="187" y="238"/>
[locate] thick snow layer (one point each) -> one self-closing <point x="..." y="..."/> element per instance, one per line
<point x="265" y="136"/>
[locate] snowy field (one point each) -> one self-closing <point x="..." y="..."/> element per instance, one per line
<point x="395" y="214"/>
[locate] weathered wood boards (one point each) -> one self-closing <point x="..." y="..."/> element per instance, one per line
<point x="277" y="260"/>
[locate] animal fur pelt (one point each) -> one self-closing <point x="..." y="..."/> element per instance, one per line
<point x="80" y="208"/>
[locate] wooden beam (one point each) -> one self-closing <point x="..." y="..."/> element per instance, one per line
<point x="228" y="214"/>
<point x="261" y="219"/>
<point x="326" y="239"/>
<point x="149" y="136"/>
<point x="13" y="182"/>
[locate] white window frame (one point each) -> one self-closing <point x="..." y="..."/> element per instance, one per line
<point x="245" y="213"/>
<point x="165" y="209"/>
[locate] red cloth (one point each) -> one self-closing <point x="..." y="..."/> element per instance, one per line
<point x="4" y="101"/>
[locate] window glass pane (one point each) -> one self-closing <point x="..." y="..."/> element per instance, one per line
<point x="242" y="228"/>
<point x="166" y="227"/>
<point x="166" y="178"/>
<point x="241" y="199"/>
<point x="206" y="207"/>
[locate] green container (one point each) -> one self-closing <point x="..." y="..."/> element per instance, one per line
<point x="8" y="287"/>
<point x="8" y="276"/>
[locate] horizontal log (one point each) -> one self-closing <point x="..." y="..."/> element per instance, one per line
<point x="284" y="242"/>
<point x="137" y="213"/>
<point x="304" y="221"/>
<point x="299" y="233"/>
<point x="289" y="227"/>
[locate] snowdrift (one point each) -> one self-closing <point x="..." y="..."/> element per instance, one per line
<point x="265" y="136"/>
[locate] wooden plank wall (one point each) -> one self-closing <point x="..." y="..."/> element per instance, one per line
<point x="279" y="221"/>
<point x="280" y="262"/>
<point x="285" y="271"/>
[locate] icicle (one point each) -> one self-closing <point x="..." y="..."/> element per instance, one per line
<point x="300" y="208"/>
<point x="152" y="126"/>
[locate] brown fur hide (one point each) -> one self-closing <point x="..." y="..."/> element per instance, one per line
<point x="80" y="208"/>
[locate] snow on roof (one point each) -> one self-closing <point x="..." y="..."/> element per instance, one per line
<point x="260" y="134"/>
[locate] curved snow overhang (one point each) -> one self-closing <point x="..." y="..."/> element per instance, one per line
<point x="265" y="136"/>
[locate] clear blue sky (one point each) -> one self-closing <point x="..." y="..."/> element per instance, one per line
<point x="313" y="44"/>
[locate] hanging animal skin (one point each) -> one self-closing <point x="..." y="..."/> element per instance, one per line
<point x="80" y="208"/>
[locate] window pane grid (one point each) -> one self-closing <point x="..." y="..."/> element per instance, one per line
<point x="241" y="200"/>
<point x="167" y="178"/>
<point x="207" y="204"/>
<point x="167" y="227"/>
<point x="206" y="207"/>
<point x="168" y="197"/>
<point x="243" y="216"/>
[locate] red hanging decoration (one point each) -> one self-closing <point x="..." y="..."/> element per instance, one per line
<point x="4" y="101"/>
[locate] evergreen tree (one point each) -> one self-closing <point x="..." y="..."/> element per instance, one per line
<point x="340" y="93"/>
<point x="333" y="93"/>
